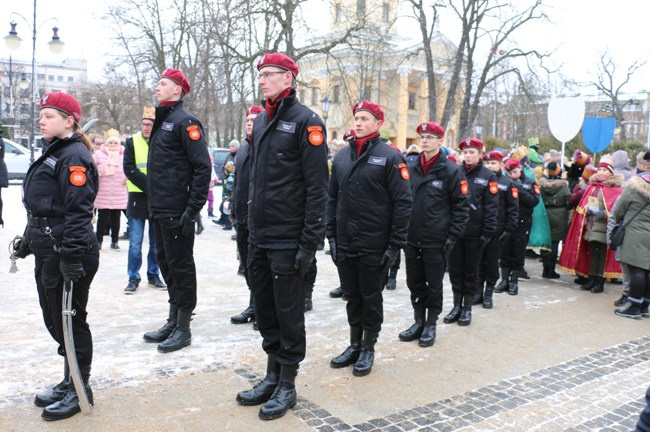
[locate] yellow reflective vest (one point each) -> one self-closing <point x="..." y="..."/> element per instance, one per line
<point x="141" y="151"/>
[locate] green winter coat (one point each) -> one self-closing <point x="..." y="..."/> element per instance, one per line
<point x="635" y="249"/>
<point x="555" y="194"/>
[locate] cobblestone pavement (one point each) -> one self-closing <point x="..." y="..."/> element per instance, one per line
<point x="553" y="358"/>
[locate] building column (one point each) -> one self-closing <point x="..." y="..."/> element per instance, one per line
<point x="403" y="105"/>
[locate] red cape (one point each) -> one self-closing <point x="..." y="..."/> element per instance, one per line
<point x="575" y="256"/>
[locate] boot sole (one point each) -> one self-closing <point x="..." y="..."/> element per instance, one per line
<point x="172" y="349"/>
<point x="408" y="339"/>
<point x="42" y="404"/>
<point x="464" y="323"/>
<point x="488" y="306"/>
<point x="48" y="417"/>
<point x="278" y="415"/>
<point x="232" y="321"/>
<point x="636" y="317"/>
<point x="361" y="373"/>
<point x="426" y="344"/>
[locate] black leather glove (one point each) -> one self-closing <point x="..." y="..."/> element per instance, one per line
<point x="333" y="252"/>
<point x="504" y="236"/>
<point x="186" y="222"/>
<point x="388" y="258"/>
<point x="71" y="271"/>
<point x="21" y="249"/>
<point x="304" y="258"/>
<point x="448" y="247"/>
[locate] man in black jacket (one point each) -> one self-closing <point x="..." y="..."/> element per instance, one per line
<point x="286" y="222"/>
<point x="178" y="179"/>
<point x="481" y="183"/>
<point x="136" y="151"/>
<point x="367" y="219"/>
<point x="438" y="219"/>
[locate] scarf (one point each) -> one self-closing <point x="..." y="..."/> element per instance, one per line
<point x="427" y="164"/>
<point x="361" y="142"/>
<point x="112" y="162"/>
<point x="271" y="105"/>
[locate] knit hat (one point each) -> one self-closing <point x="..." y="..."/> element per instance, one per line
<point x="607" y="162"/>
<point x="553" y="169"/>
<point x="643" y="161"/>
<point x="588" y="172"/>
<point x="234" y="143"/>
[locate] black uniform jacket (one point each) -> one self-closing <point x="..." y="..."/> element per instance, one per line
<point x="61" y="186"/>
<point x="369" y="199"/>
<point x="440" y="208"/>
<point x="483" y="202"/>
<point x="529" y="194"/>
<point x="137" y="205"/>
<point x="240" y="186"/>
<point x="178" y="167"/>
<point x="288" y="185"/>
<point x="508" y="204"/>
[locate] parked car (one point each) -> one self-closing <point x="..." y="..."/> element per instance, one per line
<point x="219" y="155"/>
<point x="17" y="159"/>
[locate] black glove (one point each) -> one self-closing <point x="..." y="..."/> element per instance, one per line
<point x="304" y="258"/>
<point x="21" y="249"/>
<point x="448" y="247"/>
<point x="71" y="271"/>
<point x="333" y="249"/>
<point x="504" y="236"/>
<point x="484" y="241"/>
<point x="186" y="222"/>
<point x="388" y="258"/>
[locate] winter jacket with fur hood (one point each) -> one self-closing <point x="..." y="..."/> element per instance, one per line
<point x="555" y="194"/>
<point x="635" y="249"/>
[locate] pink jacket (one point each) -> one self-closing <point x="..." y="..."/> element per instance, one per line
<point x="112" y="193"/>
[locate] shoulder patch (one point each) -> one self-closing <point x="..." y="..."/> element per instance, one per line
<point x="194" y="132"/>
<point x="77" y="175"/>
<point x="404" y="172"/>
<point x="464" y="188"/>
<point x="494" y="188"/>
<point x="537" y="191"/>
<point x="515" y="193"/>
<point x="316" y="136"/>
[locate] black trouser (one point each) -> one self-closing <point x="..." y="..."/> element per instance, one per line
<point x="242" y="248"/>
<point x="49" y="283"/>
<point x="108" y="219"/>
<point x="597" y="257"/>
<point x="279" y="293"/>
<point x="395" y="266"/>
<point x="488" y="272"/>
<point x="425" y="269"/>
<point x="1" y="220"/>
<point x="310" y="277"/>
<point x="175" y="254"/>
<point x="513" y="250"/>
<point x="463" y="266"/>
<point x="639" y="283"/>
<point x="550" y="259"/>
<point x="362" y="281"/>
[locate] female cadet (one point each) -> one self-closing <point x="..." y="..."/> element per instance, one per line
<point x="59" y="191"/>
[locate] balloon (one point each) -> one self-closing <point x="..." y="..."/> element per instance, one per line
<point x="565" y="116"/>
<point x="597" y="133"/>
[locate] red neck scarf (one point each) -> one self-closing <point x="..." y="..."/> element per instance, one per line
<point x="469" y="167"/>
<point x="271" y="105"/>
<point x="361" y="142"/>
<point x="427" y="164"/>
<point x="168" y="103"/>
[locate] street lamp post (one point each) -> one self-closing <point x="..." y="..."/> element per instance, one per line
<point x="325" y="104"/>
<point x="13" y="42"/>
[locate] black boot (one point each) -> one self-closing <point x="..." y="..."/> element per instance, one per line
<point x="414" y="332"/>
<point x="456" y="311"/>
<point x="351" y="353"/>
<point x="599" y="286"/>
<point x="264" y="389"/>
<point x="428" y="336"/>
<point x="363" y="366"/>
<point x="513" y="286"/>
<point x="181" y="336"/>
<point x="590" y="284"/>
<point x="68" y="405"/>
<point x="163" y="332"/>
<point x="645" y="313"/>
<point x="545" y="272"/>
<point x="504" y="283"/>
<point x="309" y="305"/>
<point x="478" y="297"/>
<point x="391" y="283"/>
<point x="284" y="397"/>
<point x="57" y="392"/>
<point x="487" y="297"/>
<point x="247" y="315"/>
<point x="466" y="313"/>
<point x="336" y="293"/>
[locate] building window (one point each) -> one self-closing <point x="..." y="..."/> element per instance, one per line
<point x="336" y="94"/>
<point x="70" y="79"/>
<point x="50" y="77"/>
<point x="41" y="77"/>
<point x="366" y="93"/>
<point x="411" y="100"/>
<point x="386" y="12"/>
<point x="59" y="78"/>
<point x="337" y="13"/>
<point x="361" y="9"/>
<point x="314" y="96"/>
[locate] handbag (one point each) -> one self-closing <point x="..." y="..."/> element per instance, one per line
<point x="618" y="232"/>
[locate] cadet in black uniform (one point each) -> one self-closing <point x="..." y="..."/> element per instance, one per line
<point x="58" y="194"/>
<point x="367" y="219"/>
<point x="438" y="219"/>
<point x="178" y="179"/>
<point x="506" y="225"/>
<point x="465" y="257"/>
<point x="286" y="222"/>
<point x="240" y="209"/>
<point x="513" y="250"/>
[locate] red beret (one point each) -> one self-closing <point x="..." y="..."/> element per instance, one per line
<point x="471" y="143"/>
<point x="432" y="128"/>
<point x="511" y="164"/>
<point x="494" y="156"/>
<point x="62" y="102"/>
<point x="255" y="109"/>
<point x="372" y="108"/>
<point x="452" y="158"/>
<point x="280" y="60"/>
<point x="178" y="77"/>
<point x="348" y="134"/>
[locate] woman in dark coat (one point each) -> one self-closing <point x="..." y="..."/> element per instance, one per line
<point x="4" y="175"/>
<point x="555" y="194"/>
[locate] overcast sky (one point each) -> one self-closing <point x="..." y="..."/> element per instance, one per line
<point x="581" y="29"/>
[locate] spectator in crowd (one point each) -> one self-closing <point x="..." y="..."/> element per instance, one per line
<point x="555" y="194"/>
